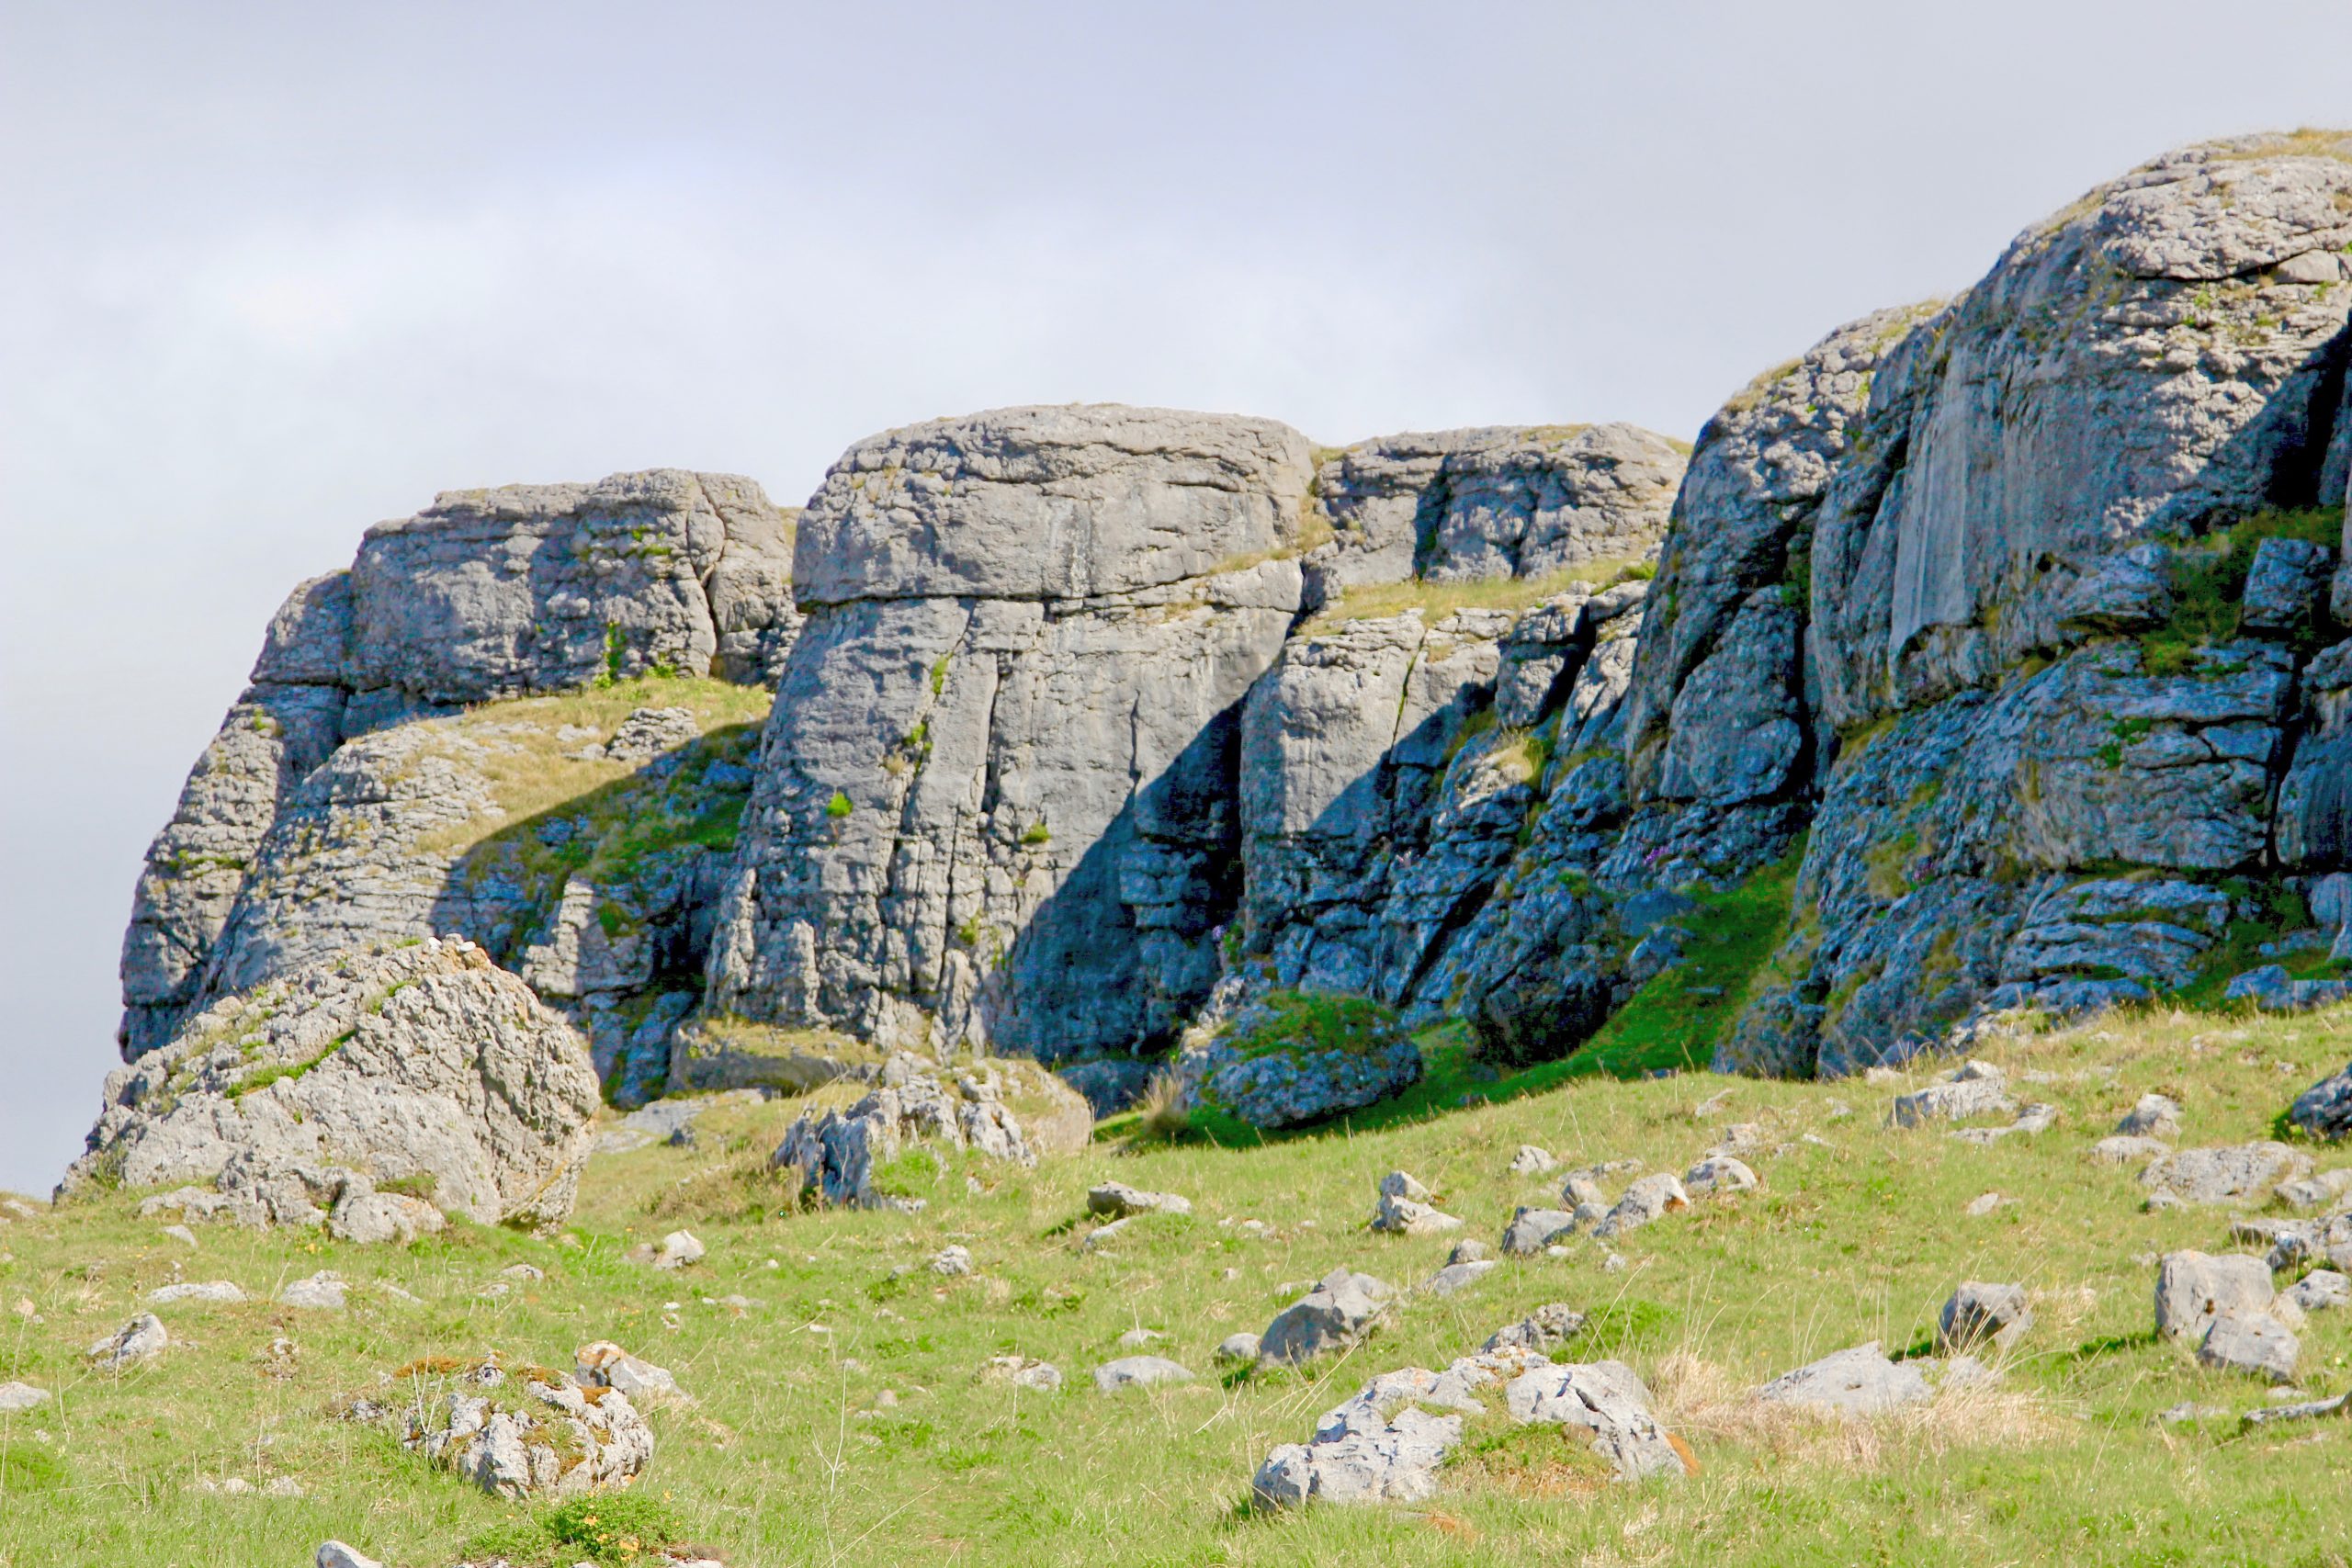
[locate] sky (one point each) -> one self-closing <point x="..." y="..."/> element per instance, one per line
<point x="269" y="274"/>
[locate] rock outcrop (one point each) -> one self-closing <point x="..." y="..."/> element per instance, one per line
<point x="351" y="797"/>
<point x="423" y="1068"/>
<point x="2004" y="636"/>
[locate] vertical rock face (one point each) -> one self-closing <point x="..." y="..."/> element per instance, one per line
<point x="2060" y="598"/>
<point x="996" y="797"/>
<point x="309" y="823"/>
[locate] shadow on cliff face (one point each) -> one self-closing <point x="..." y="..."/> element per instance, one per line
<point x="1118" y="958"/>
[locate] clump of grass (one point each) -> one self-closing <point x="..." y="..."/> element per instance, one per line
<point x="1160" y="1112"/>
<point x="1314" y="1022"/>
<point x="613" y="1530"/>
<point x="2209" y="583"/>
<point x="839" y="807"/>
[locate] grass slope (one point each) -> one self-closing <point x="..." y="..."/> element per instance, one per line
<point x="794" y="1456"/>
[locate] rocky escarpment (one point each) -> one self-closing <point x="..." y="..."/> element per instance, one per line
<point x="1987" y="654"/>
<point x="400" y="765"/>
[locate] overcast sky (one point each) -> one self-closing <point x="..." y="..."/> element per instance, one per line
<point x="271" y="273"/>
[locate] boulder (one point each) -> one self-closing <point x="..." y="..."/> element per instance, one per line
<point x="2237" y="1173"/>
<point x="218" y="1292"/>
<point x="1236" y="1350"/>
<point x="336" y="1554"/>
<point x="1455" y="1278"/>
<point x="1532" y="1230"/>
<point x="2152" y="1116"/>
<point x="1402" y="1216"/>
<point x="323" y="1292"/>
<point x="1138" y="1371"/>
<point x="1648" y="1199"/>
<point x="424" y="1062"/>
<point x="1025" y="1372"/>
<point x="2124" y="1149"/>
<point x="18" y="1397"/>
<point x="603" y="1364"/>
<point x="837" y="1152"/>
<point x="2321" y="1290"/>
<point x="1116" y="1201"/>
<point x="1856" y="1381"/>
<point x="368" y="1217"/>
<point x="1973" y="1089"/>
<point x="546" y="1436"/>
<point x="953" y="1262"/>
<point x="2325" y="1109"/>
<point x="1606" y="1399"/>
<point x="1532" y="1161"/>
<point x="1720" y="1174"/>
<point x="1978" y="1313"/>
<point x="2195" y="1288"/>
<point x="140" y="1340"/>
<point x="1342" y="1308"/>
<point x="1543" y="1331"/>
<point x="1294" y="1059"/>
<point x="2250" y="1342"/>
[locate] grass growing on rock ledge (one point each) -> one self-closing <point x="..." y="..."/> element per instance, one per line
<point x="793" y="1455"/>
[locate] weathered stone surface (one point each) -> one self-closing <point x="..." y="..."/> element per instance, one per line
<point x="2325" y="1109"/>
<point x="1978" y="1313"/>
<point x="2271" y="989"/>
<point x="1531" y="1230"/>
<point x="1116" y="1201"/>
<point x="1650" y="1198"/>
<point x="486" y="595"/>
<point x="2195" y="1288"/>
<point x="993" y="801"/>
<point x="222" y="1291"/>
<point x="1492" y="503"/>
<point x="523" y="1437"/>
<point x="1606" y="1399"/>
<point x="1401" y="1216"/>
<point x="1973" y="1089"/>
<point x="1856" y="1381"/>
<point x="2250" y="1342"/>
<point x="1280" y="1063"/>
<point x="1342" y="1308"/>
<point x="141" y="1339"/>
<point x="1138" y="1371"/>
<point x="424" y="1062"/>
<point x="2321" y="1290"/>
<point x="838" y="1152"/>
<point x="17" y="1397"/>
<point x="604" y="1364"/>
<point x="1543" y="1331"/>
<point x="2234" y="1174"/>
<point x="2152" y="1116"/>
<point x="1720" y="1174"/>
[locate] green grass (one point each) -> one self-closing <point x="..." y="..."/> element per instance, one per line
<point x="2209" y="583"/>
<point x="1437" y="600"/>
<point x="791" y="1455"/>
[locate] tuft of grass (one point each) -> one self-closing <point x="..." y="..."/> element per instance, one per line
<point x="839" y="807"/>
<point x="2209" y="583"/>
<point x="617" y="1531"/>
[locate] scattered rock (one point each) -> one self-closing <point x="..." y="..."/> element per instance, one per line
<point x="1646" y="1199"/>
<point x="334" y="1554"/>
<point x="1401" y="1184"/>
<point x="1977" y="1313"/>
<point x="604" y="1364"/>
<point x="1856" y="1381"/>
<point x="2234" y="1174"/>
<point x="1973" y="1089"/>
<point x="1137" y="1337"/>
<point x="321" y="1291"/>
<point x="219" y="1291"/>
<point x="2195" y="1288"/>
<point x="1468" y="1250"/>
<point x="181" y="1234"/>
<point x="1023" y="1371"/>
<point x="679" y="1250"/>
<point x="837" y="1151"/>
<point x="2250" y="1342"/>
<point x="1383" y="1444"/>
<point x="1236" y="1350"/>
<point x="2155" y="1116"/>
<point x="2310" y="1191"/>
<point x="1984" y="1203"/>
<point x="1138" y="1371"/>
<point x="1543" y="1331"/>
<point x="2185" y="1412"/>
<point x="1342" y="1309"/>
<point x="1531" y="1230"/>
<point x="2031" y="1119"/>
<point x="1532" y="1161"/>
<point x="2325" y="1109"/>
<point x="137" y="1340"/>
<point x="2272" y="989"/>
<point x="371" y="1217"/>
<point x="2319" y="1290"/>
<point x="2128" y="1149"/>
<point x="1720" y="1173"/>
<point x="1117" y="1201"/>
<point x="1402" y="1216"/>
<point x="1608" y="1400"/>
<point x="550" y="1436"/>
<point x="15" y="1397"/>
<point x="1458" y="1277"/>
<point x="952" y="1262"/>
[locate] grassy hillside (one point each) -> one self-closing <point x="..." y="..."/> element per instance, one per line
<point x="843" y="1417"/>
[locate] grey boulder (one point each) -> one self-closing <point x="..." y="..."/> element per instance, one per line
<point x="1978" y="1313"/>
<point x="1342" y="1308"/>
<point x="2195" y="1288"/>
<point x="2250" y="1342"/>
<point x="1138" y="1371"/>
<point x="1856" y="1381"/>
